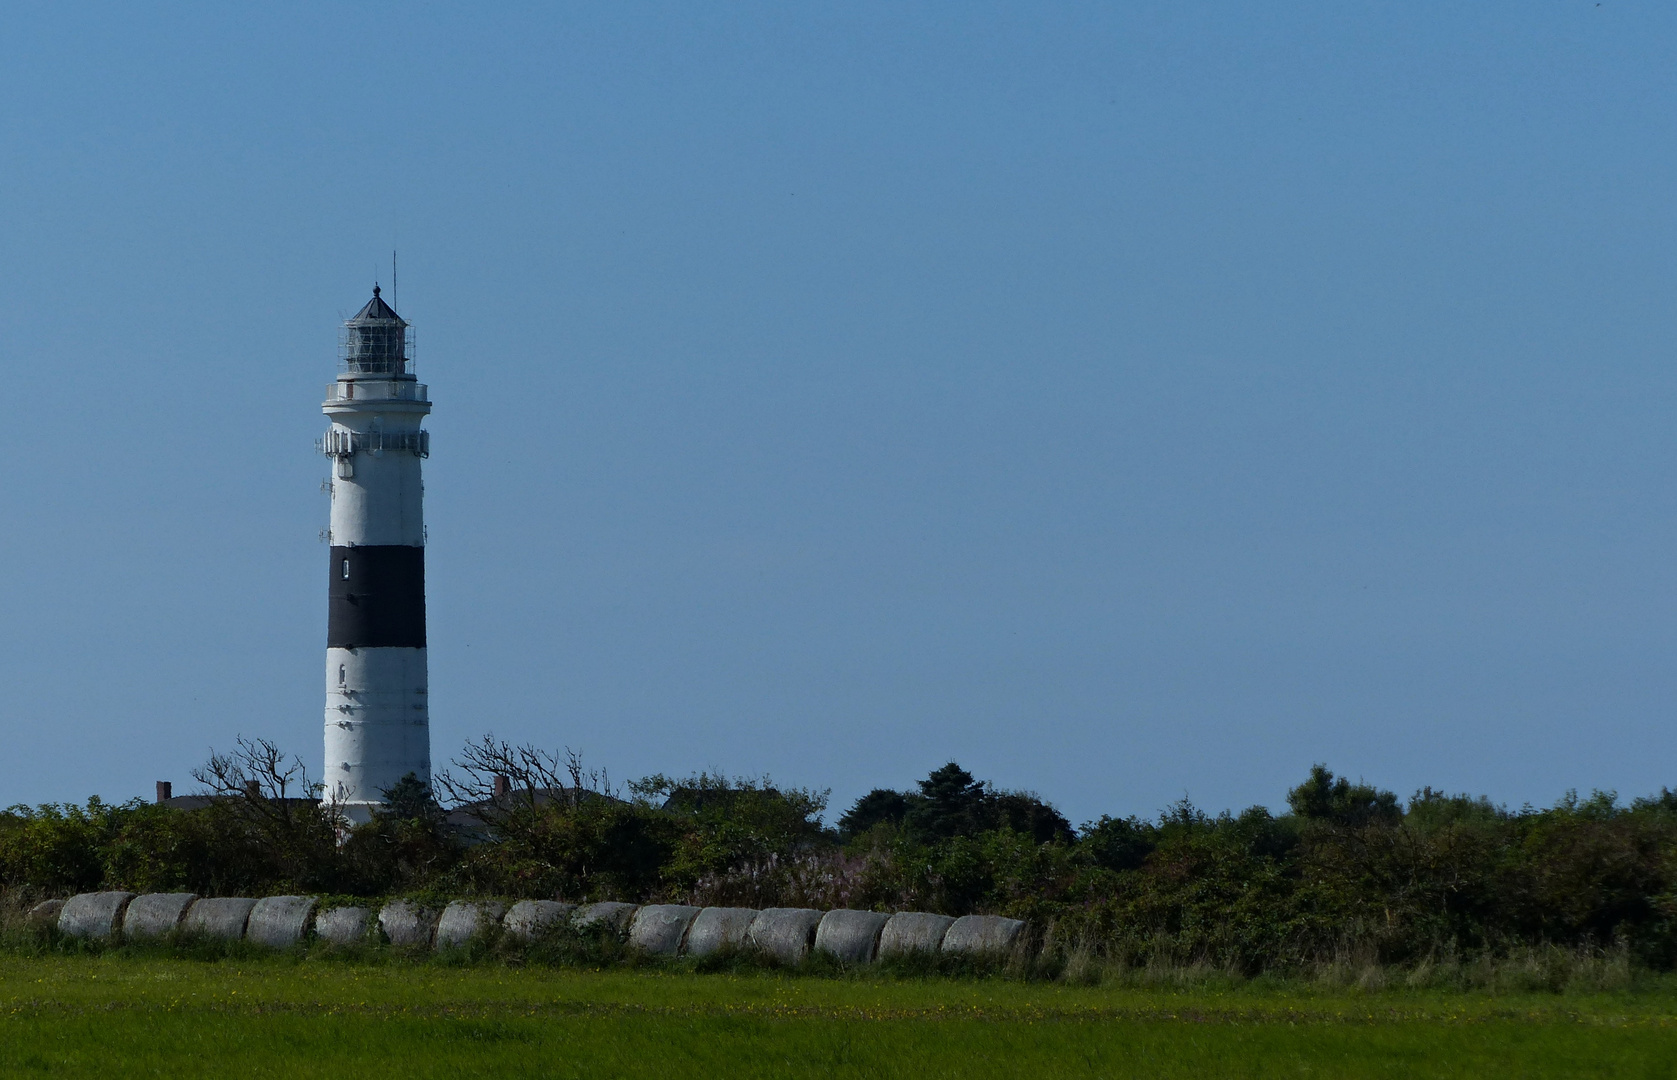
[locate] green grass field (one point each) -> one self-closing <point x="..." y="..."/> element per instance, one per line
<point x="122" y="1015"/>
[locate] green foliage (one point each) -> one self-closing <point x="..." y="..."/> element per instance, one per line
<point x="406" y="846"/>
<point x="1117" y="843"/>
<point x="1348" y="872"/>
<point x="587" y="849"/>
<point x="1429" y="810"/>
<point x="1340" y="802"/>
<point x="57" y="846"/>
<point x="950" y="803"/>
<point x="738" y="837"/>
<point x="410" y="799"/>
<point x="881" y="806"/>
<point x="156" y="849"/>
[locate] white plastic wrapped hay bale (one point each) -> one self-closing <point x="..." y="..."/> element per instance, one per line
<point x="464" y="920"/>
<point x="718" y="928"/>
<point x="851" y="937"/>
<point x="280" y="922"/>
<point x="659" y="929"/>
<point x="530" y="919"/>
<point x="343" y="926"/>
<point x="787" y="934"/>
<point x="45" y="914"/>
<point x="914" y="932"/>
<point x="96" y="915"/>
<point x="982" y="934"/>
<point x="155" y="915"/>
<point x="605" y="913"/>
<point x="219" y="917"/>
<point x="407" y="925"/>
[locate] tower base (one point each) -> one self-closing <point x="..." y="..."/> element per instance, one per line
<point x="378" y="725"/>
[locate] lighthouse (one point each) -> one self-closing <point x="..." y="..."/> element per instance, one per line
<point x="378" y="721"/>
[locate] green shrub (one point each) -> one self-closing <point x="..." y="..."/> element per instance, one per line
<point x="1350" y="877"/>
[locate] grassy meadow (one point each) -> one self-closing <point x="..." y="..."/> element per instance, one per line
<point x="127" y="1013"/>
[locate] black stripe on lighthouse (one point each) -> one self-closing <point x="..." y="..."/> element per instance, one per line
<point x="376" y="598"/>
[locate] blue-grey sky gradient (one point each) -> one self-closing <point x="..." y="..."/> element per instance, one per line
<point x="1124" y="400"/>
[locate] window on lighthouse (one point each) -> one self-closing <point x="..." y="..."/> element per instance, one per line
<point x="346" y="569"/>
<point x="340" y="675"/>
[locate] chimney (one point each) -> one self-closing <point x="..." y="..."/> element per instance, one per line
<point x="165" y="791"/>
<point x="253" y="789"/>
<point x="503" y="786"/>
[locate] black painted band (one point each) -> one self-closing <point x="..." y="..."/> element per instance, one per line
<point x="376" y="598"/>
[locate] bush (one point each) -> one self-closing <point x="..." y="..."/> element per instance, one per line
<point x="1350" y="873"/>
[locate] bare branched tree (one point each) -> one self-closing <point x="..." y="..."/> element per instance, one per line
<point x="257" y="773"/>
<point x="264" y="802"/>
<point x="492" y="777"/>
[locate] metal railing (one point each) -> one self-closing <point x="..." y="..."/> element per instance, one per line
<point x="340" y="444"/>
<point x="376" y="391"/>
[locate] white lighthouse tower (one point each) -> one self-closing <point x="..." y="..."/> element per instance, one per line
<point x="378" y="724"/>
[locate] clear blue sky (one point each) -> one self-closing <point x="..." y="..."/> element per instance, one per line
<point x="1124" y="400"/>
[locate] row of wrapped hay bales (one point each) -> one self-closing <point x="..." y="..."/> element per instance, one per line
<point x="789" y="935"/>
<point x="276" y="921"/>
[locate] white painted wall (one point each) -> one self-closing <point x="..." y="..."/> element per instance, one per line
<point x="378" y="721"/>
<point x="382" y="502"/>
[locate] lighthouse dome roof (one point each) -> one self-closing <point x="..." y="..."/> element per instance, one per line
<point x="376" y="309"/>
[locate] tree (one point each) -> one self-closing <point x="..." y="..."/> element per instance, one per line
<point x="1118" y="843"/>
<point x="879" y="806"/>
<point x="1025" y="813"/>
<point x="410" y="800"/>
<point x="492" y="779"/>
<point x="949" y="804"/>
<point x="285" y="839"/>
<point x="408" y="842"/>
<point x="1340" y="802"/>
